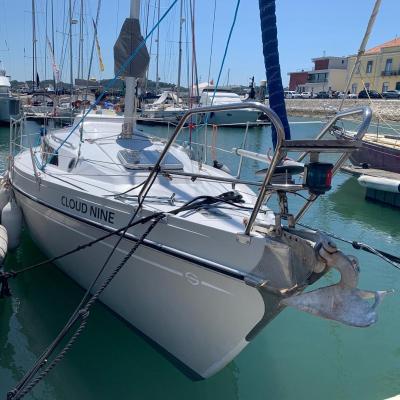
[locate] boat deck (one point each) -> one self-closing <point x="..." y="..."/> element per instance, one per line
<point x="377" y="194"/>
<point x="378" y="173"/>
<point x="391" y="141"/>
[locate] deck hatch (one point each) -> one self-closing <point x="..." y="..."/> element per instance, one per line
<point x="146" y="159"/>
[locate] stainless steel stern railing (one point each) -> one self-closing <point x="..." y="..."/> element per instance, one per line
<point x="282" y="147"/>
<point x="280" y="132"/>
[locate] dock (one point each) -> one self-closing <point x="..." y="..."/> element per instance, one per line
<point x="380" y="193"/>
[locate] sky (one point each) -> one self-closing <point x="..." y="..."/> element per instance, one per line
<point x="306" y="29"/>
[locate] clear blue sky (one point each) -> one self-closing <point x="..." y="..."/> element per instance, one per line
<point x="306" y="29"/>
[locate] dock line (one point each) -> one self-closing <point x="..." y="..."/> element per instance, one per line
<point x="389" y="258"/>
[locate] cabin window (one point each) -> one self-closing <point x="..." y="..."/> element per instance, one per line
<point x="53" y="159"/>
<point x="4" y="90"/>
<point x="50" y="155"/>
<point x="369" y="66"/>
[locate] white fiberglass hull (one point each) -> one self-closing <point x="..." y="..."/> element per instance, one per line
<point x="9" y="107"/>
<point x="198" y="286"/>
<point x="199" y="316"/>
<point x="234" y="117"/>
<point x="172" y="115"/>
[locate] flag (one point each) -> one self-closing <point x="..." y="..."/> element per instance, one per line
<point x="56" y="70"/>
<point x="101" y="65"/>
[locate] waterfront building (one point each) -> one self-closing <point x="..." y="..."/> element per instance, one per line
<point x="328" y="74"/>
<point x="379" y="68"/>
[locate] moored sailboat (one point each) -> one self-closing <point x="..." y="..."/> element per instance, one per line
<point x="203" y="263"/>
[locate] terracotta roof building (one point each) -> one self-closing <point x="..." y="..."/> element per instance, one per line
<point x="377" y="49"/>
<point x="379" y="68"/>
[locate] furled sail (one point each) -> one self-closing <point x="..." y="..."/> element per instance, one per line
<point x="128" y="40"/>
<point x="272" y="66"/>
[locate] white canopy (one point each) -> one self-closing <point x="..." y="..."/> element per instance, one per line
<point x="165" y="96"/>
<point x="4" y="80"/>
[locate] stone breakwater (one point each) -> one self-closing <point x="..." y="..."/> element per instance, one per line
<point x="387" y="109"/>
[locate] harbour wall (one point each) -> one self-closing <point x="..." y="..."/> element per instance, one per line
<point x="387" y="109"/>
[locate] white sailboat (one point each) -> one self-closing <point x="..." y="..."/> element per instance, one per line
<point x="219" y="265"/>
<point x="168" y="108"/>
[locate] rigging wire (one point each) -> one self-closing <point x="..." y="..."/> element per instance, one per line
<point x="82" y="313"/>
<point x="92" y="49"/>
<point x="389" y="258"/>
<point x="187" y="46"/>
<point x="112" y="81"/>
<point x="225" y="51"/>
<point x="212" y="42"/>
<point x="376" y="111"/>
<point x="150" y="48"/>
<point x="203" y="201"/>
<point x="222" y="62"/>
<point x="29" y="381"/>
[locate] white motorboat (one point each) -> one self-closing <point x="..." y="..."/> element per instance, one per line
<point x="229" y="117"/>
<point x="9" y="105"/>
<point x="214" y="264"/>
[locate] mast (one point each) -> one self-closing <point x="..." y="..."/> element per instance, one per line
<point x="151" y="42"/>
<point x="272" y="66"/>
<point x="158" y="47"/>
<point x="195" y="80"/>
<point x="34" y="67"/>
<point x="361" y="50"/>
<point x="45" y="43"/>
<point x="180" y="51"/>
<point x="131" y="82"/>
<point x="92" y="50"/>
<point x="80" y="54"/>
<point x="71" y="74"/>
<point x="52" y="43"/>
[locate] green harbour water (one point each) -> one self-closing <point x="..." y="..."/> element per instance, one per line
<point x="297" y="356"/>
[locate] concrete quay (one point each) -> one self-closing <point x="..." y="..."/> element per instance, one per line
<point x="387" y="109"/>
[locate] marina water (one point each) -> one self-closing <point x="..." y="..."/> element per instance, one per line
<point x="296" y="356"/>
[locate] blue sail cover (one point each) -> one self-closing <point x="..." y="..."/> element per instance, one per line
<point x="272" y="66"/>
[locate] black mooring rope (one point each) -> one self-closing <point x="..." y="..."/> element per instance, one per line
<point x="6" y="275"/>
<point x="389" y="258"/>
<point x="26" y="385"/>
<point x="229" y="198"/>
<point x="82" y="311"/>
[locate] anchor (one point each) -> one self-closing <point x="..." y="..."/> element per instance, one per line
<point x="343" y="301"/>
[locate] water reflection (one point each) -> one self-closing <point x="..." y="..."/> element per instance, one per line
<point x="297" y="356"/>
<point x="348" y="201"/>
